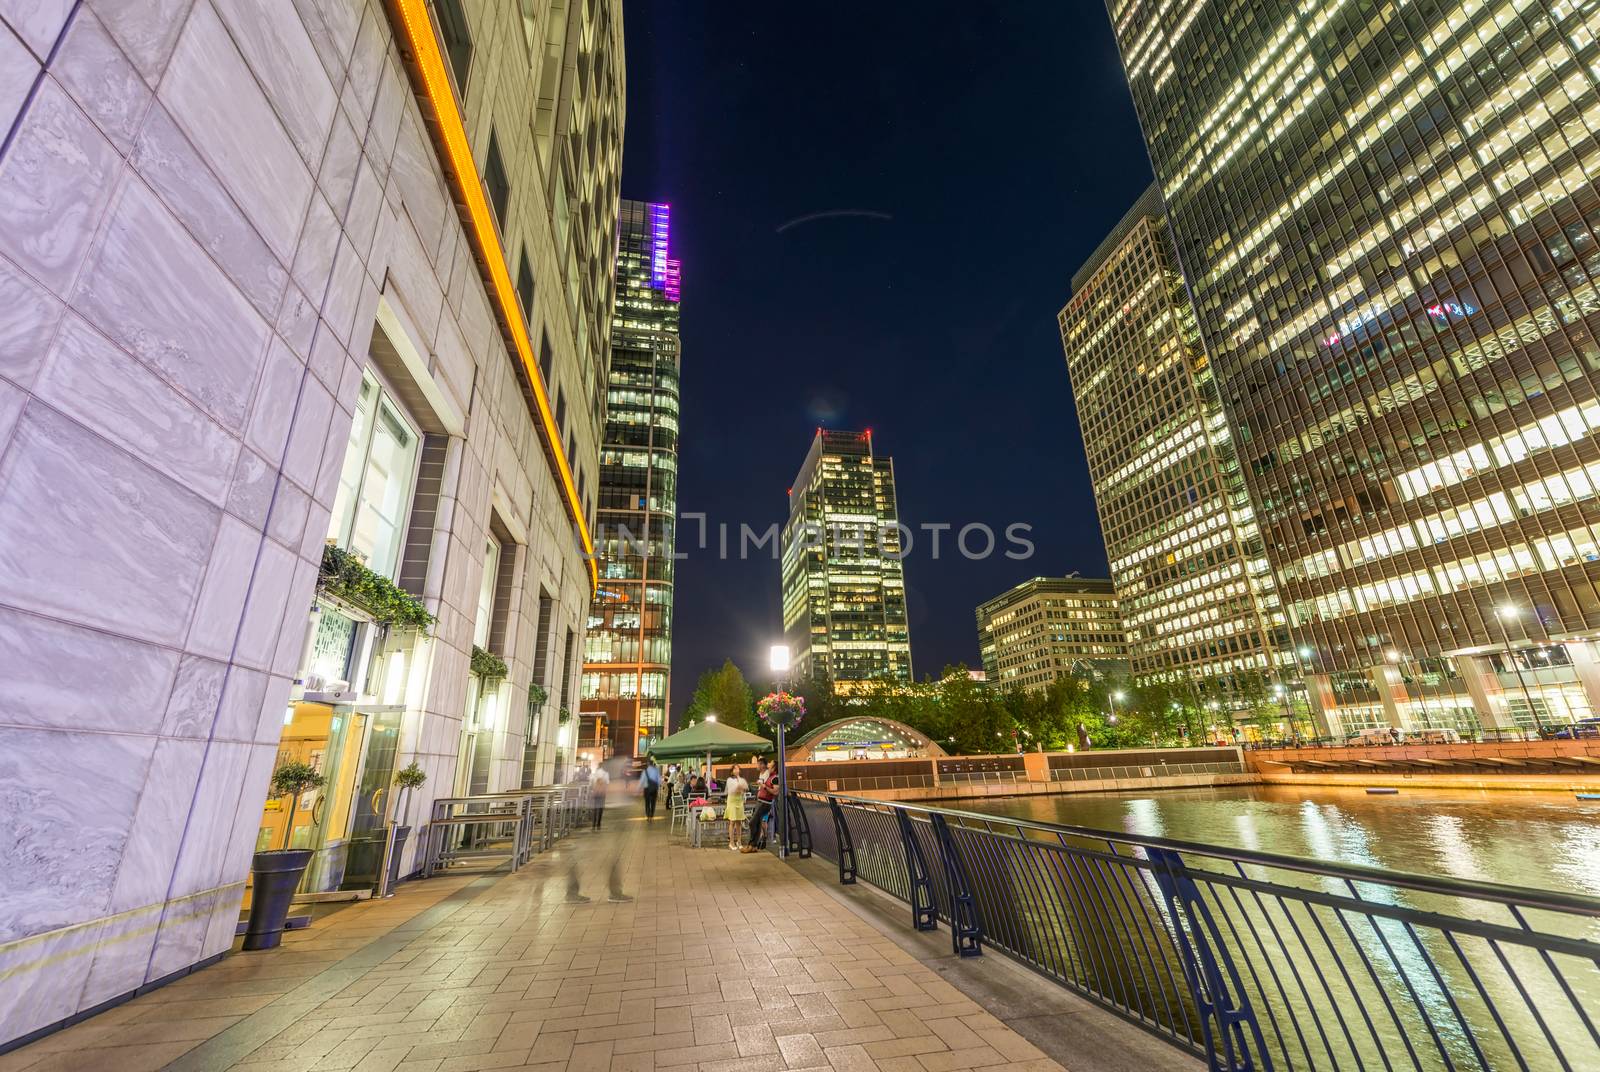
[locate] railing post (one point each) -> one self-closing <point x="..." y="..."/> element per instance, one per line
<point x="847" y="847"/>
<point x="924" y="915"/>
<point x="1219" y="1001"/>
<point x="966" y="929"/>
<point x="797" y="829"/>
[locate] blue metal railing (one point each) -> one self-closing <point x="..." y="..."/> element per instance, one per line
<point x="1248" y="960"/>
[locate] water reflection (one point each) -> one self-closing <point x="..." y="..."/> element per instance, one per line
<point x="1358" y="989"/>
<point x="1543" y="840"/>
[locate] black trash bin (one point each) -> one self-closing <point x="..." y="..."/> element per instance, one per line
<point x="276" y="875"/>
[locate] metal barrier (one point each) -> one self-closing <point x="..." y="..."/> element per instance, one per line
<point x="1144" y="770"/>
<point x="1247" y="960"/>
<point x="513" y="825"/>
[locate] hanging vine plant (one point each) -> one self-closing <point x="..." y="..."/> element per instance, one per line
<point x="537" y="695"/>
<point x="487" y="665"/>
<point x="345" y="576"/>
<point x="565" y="716"/>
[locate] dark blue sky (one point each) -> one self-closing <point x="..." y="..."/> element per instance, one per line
<point x="1003" y="146"/>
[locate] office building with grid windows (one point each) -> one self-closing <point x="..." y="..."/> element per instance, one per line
<point x="1191" y="574"/>
<point x="1387" y="219"/>
<point x="844" y="591"/>
<point x="1050" y="627"/>
<point x="628" y="645"/>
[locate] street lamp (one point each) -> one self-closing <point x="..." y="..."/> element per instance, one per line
<point x="1503" y="614"/>
<point x="778" y="663"/>
<point x="1115" y="698"/>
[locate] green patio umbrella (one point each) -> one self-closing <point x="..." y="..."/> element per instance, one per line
<point x="709" y="739"/>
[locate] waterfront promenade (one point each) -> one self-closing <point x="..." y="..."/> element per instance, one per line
<point x="720" y="962"/>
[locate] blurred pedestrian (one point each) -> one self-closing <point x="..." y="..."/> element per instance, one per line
<point x="651" y="780"/>
<point x="599" y="782"/>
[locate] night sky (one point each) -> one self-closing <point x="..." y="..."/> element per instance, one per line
<point x="983" y="155"/>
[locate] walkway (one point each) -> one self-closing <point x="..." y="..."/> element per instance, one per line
<point x="723" y="962"/>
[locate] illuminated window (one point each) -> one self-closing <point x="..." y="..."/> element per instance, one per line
<point x="457" y="39"/>
<point x="376" y="482"/>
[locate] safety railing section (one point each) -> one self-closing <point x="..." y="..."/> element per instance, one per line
<point x="1245" y="959"/>
<point x="513" y="825"/>
<point x="1145" y="770"/>
<point x="1001" y="777"/>
<point x="821" y="783"/>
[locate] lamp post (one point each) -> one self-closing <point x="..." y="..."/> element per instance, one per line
<point x="778" y="662"/>
<point x="1501" y="615"/>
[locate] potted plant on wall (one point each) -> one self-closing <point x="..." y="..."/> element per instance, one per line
<point x="406" y="779"/>
<point x="276" y="872"/>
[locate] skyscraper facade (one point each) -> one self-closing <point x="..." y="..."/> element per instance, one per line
<point x="844" y="591"/>
<point x="1387" y="218"/>
<point x="1050" y="627"/>
<point x="1190" y="570"/>
<point x="628" y="646"/>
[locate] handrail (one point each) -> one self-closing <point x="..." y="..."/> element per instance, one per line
<point x="1502" y="893"/>
<point x="1224" y="953"/>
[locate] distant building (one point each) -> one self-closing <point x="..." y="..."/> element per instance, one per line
<point x="844" y="592"/>
<point x="628" y="648"/>
<point x="1186" y="557"/>
<point x="1049" y="627"/>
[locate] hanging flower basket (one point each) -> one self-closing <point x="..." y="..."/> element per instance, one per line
<point x="781" y="710"/>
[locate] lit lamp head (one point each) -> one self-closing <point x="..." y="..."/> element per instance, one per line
<point x="1119" y="696"/>
<point x="1506" y="612"/>
<point x="711" y="718"/>
<point x="778" y="658"/>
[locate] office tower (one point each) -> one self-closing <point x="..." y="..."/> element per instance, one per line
<point x="1050" y="627"/>
<point x="1187" y="559"/>
<point x="844" y="590"/>
<point x="628" y="648"/>
<point x="299" y="424"/>
<point x="1387" y="218"/>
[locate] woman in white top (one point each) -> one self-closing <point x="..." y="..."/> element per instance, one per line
<point x="737" y="788"/>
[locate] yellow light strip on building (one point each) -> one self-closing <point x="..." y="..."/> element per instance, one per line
<point x="433" y="82"/>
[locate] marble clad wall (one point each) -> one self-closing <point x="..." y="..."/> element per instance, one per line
<point x="200" y="204"/>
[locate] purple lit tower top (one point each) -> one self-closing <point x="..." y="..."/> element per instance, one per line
<point x="664" y="273"/>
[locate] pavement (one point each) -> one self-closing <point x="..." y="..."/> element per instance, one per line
<point x="720" y="962"/>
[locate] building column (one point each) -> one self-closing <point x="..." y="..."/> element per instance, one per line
<point x="1488" y="698"/>
<point x="1324" y="711"/>
<point x="1386" y="679"/>
<point x="1586" y="661"/>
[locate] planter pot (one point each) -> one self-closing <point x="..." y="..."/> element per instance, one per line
<point x="276" y="875"/>
<point x="395" y="852"/>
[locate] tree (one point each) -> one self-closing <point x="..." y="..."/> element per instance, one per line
<point x="290" y="780"/>
<point x="725" y="693"/>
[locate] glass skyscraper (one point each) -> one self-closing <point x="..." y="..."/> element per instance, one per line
<point x="844" y="590"/>
<point x="628" y="646"/>
<point x="1186" y="556"/>
<point x="1387" y="214"/>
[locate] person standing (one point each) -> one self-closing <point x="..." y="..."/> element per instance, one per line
<point x="766" y="792"/>
<point x="734" y="807"/>
<point x="651" y="778"/>
<point x="599" y="782"/>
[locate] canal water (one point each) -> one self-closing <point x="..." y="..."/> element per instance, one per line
<point x="1332" y="987"/>
<point x="1547" y="841"/>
